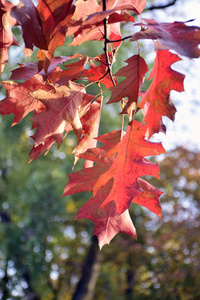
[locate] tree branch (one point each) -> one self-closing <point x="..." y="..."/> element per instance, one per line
<point x="161" y="6"/>
<point x="106" y="42"/>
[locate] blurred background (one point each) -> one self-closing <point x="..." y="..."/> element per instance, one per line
<point x="47" y="255"/>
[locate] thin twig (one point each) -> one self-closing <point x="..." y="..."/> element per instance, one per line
<point x="161" y="6"/>
<point x="120" y="40"/>
<point x="106" y="42"/>
<point x="108" y="61"/>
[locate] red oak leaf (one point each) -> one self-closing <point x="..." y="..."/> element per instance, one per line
<point x="130" y="87"/>
<point x="90" y="122"/>
<point x="27" y="15"/>
<point x="107" y="222"/>
<point x="129" y="165"/>
<point x="55" y="17"/>
<point x="115" y="29"/>
<point x="88" y="21"/>
<point x="138" y="4"/>
<point x="104" y="157"/>
<point x="73" y="71"/>
<point x="98" y="72"/>
<point x="19" y="100"/>
<point x="37" y="151"/>
<point x="148" y="197"/>
<point x="84" y="180"/>
<point x="83" y="8"/>
<point x="97" y="18"/>
<point x="177" y="36"/>
<point x="157" y="97"/>
<point x="62" y="107"/>
<point x="6" y="36"/>
<point x="28" y="70"/>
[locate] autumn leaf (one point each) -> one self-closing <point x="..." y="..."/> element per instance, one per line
<point x="177" y="36"/>
<point x="138" y="4"/>
<point x="97" y="17"/>
<point x="107" y="223"/>
<point x="62" y="107"/>
<point x="38" y="150"/>
<point x="27" y="15"/>
<point x="90" y="125"/>
<point x="107" y="156"/>
<point x="90" y="122"/>
<point x="19" y="100"/>
<point x="129" y="165"/>
<point x="148" y="197"/>
<point x="6" y="36"/>
<point x="73" y="72"/>
<point x="97" y="72"/>
<point x="84" y="180"/>
<point x="88" y="18"/>
<point x="157" y="99"/>
<point x="28" y="70"/>
<point x="107" y="220"/>
<point x="52" y="13"/>
<point x="82" y="10"/>
<point x="55" y="17"/>
<point x="130" y="87"/>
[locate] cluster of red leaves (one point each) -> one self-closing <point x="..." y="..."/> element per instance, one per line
<point x="61" y="104"/>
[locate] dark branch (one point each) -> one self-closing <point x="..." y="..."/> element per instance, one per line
<point x="106" y="41"/>
<point x="161" y="6"/>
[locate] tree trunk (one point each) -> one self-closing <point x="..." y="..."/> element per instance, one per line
<point x="91" y="268"/>
<point x="129" y="294"/>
